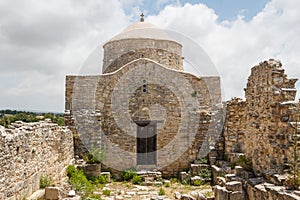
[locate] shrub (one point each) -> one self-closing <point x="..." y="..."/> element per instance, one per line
<point x="71" y="169"/>
<point x="174" y="180"/>
<point x="80" y="183"/>
<point x="232" y="165"/>
<point x="95" y="155"/>
<point x="292" y="182"/>
<point x="137" y="180"/>
<point x="197" y="182"/>
<point x="208" y="194"/>
<point x="106" y="192"/>
<point x="205" y="173"/>
<point x="244" y="162"/>
<point x="101" y="179"/>
<point x="127" y="175"/>
<point x="45" y="181"/>
<point x="161" y="192"/>
<point x="167" y="184"/>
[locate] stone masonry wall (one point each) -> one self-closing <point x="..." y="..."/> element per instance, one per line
<point x="120" y="52"/>
<point x="28" y="151"/>
<point x="102" y="109"/>
<point x="260" y="126"/>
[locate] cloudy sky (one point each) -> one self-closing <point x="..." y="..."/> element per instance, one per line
<point x="42" y="41"/>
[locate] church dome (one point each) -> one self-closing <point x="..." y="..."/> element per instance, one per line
<point x="144" y="30"/>
<point x="142" y="40"/>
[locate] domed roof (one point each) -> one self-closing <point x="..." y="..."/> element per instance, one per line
<point x="143" y="30"/>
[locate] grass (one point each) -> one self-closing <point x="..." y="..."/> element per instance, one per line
<point x="161" y="191"/>
<point x="106" y="192"/>
<point x="45" y="181"/>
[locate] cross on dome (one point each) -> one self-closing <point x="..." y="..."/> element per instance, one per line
<point x="142" y="17"/>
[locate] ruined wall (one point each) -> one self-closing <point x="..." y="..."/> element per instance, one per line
<point x="260" y="126"/>
<point x="29" y="150"/>
<point x="104" y="109"/>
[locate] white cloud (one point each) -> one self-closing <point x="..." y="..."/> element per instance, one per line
<point x="42" y="41"/>
<point x="236" y="46"/>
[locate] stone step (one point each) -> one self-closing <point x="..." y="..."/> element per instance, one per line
<point x="197" y="168"/>
<point x="155" y="175"/>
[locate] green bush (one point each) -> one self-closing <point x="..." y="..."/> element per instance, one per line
<point x="106" y="192"/>
<point x="127" y="175"/>
<point x="161" y="192"/>
<point x="95" y="155"/>
<point x="45" y="181"/>
<point x="244" y="162"/>
<point x="71" y="169"/>
<point x="137" y="180"/>
<point x="167" y="184"/>
<point x="197" y="182"/>
<point x="79" y="181"/>
<point x="101" y="179"/>
<point x="205" y="173"/>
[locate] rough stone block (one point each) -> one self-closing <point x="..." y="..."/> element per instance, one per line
<point x="237" y="196"/>
<point x="234" y="186"/>
<point x="255" y="181"/>
<point x="51" y="193"/>
<point x="195" y="178"/>
<point x="221" y="193"/>
<point x="107" y="175"/>
<point x="196" y="168"/>
<point x="187" y="197"/>
<point x="92" y="169"/>
<point x="230" y="177"/>
<point x="221" y="181"/>
<point x="184" y="177"/>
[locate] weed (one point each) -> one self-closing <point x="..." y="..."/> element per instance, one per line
<point x="232" y="165"/>
<point x="80" y="183"/>
<point x="203" y="161"/>
<point x="197" y="182"/>
<point x="167" y="184"/>
<point x="45" y="181"/>
<point x="208" y="194"/>
<point x="95" y="155"/>
<point x="127" y="175"/>
<point x="194" y="94"/>
<point x="174" y="180"/>
<point x="161" y="192"/>
<point x="244" y="162"/>
<point x="106" y="192"/>
<point x="71" y="169"/>
<point x="205" y="173"/>
<point x="137" y="180"/>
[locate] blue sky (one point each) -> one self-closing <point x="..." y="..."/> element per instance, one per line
<point x="225" y="9"/>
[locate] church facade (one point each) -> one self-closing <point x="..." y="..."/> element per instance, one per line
<point x="143" y="109"/>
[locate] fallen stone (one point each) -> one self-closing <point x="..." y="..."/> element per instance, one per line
<point x="234" y="186"/>
<point x="37" y="195"/>
<point x="158" y="183"/>
<point x="187" y="197"/>
<point x="177" y="195"/>
<point x="221" y="181"/>
<point x="71" y="193"/>
<point x="184" y="177"/>
<point x="230" y="177"/>
<point x="221" y="193"/>
<point x="255" y="181"/>
<point x="107" y="176"/>
<point x="51" y="193"/>
<point x="237" y="195"/>
<point x="119" y="198"/>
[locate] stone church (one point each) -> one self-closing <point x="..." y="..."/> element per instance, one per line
<point x="143" y="110"/>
